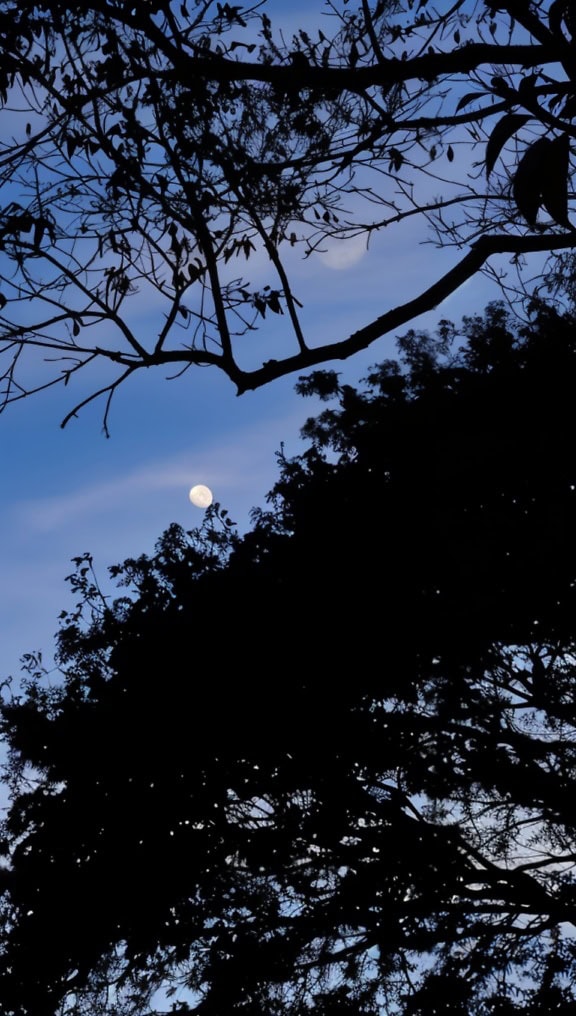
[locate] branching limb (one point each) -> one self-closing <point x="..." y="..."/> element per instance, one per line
<point x="483" y="249"/>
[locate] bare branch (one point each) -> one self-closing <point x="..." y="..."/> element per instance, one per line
<point x="148" y="159"/>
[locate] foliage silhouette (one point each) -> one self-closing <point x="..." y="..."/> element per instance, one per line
<point x="329" y="765"/>
<point x="188" y="152"/>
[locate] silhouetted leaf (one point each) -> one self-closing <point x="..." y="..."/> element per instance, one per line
<point x="529" y="178"/>
<point x="501" y="86"/>
<point x="469" y="97"/>
<point x="503" y="131"/>
<point x="558" y="11"/>
<point x="39" y="227"/>
<point x="555" y="180"/>
<point x="396" y="159"/>
<point x="526" y="88"/>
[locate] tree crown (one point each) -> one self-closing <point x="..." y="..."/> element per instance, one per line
<point x="212" y="814"/>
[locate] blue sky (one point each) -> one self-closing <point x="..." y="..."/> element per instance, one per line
<point x="68" y="491"/>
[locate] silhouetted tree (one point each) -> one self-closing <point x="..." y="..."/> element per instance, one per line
<point x="328" y="766"/>
<point x="153" y="148"/>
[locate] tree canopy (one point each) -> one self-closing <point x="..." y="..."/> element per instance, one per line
<point x="184" y="154"/>
<point x="327" y="766"/>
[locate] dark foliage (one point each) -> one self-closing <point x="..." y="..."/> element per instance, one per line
<point x="151" y="150"/>
<point x="329" y="766"/>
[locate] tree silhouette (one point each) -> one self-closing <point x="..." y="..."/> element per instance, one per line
<point x="327" y="766"/>
<point x="156" y="148"/>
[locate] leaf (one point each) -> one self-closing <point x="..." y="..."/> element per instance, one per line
<point x="396" y="159"/>
<point x="468" y="98"/>
<point x="450" y="153"/>
<point x="503" y="131"/>
<point x="274" y="303"/>
<point x="526" y="88"/>
<point x="569" y="108"/>
<point x="555" y="15"/>
<point x="555" y="180"/>
<point x="500" y="86"/>
<point x="542" y="179"/>
<point x="529" y="179"/>
<point x="39" y="228"/>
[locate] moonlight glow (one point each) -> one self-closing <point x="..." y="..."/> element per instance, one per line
<point x="201" y="496"/>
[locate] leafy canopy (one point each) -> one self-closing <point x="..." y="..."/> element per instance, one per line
<point x="180" y="156"/>
<point x="330" y="765"/>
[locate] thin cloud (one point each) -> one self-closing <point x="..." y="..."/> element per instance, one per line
<point x="234" y="470"/>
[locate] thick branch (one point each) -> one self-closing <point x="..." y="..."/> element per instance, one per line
<point x="394" y="71"/>
<point x="482" y="249"/>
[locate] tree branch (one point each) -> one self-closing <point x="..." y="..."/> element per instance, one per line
<point x="393" y="71"/>
<point x="482" y="250"/>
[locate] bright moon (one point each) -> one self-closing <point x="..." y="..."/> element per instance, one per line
<point x="201" y="496"/>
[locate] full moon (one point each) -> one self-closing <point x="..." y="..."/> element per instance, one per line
<point x="201" y="496"/>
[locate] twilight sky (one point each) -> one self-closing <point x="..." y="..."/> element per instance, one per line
<point x="68" y="491"/>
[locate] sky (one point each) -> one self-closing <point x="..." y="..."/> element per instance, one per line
<point x="69" y="491"/>
<point x="66" y="492"/>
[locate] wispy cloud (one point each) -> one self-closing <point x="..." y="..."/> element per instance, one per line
<point x="235" y="469"/>
<point x="120" y="515"/>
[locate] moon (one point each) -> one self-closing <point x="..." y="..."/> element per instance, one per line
<point x="342" y="254"/>
<point x="200" y="496"/>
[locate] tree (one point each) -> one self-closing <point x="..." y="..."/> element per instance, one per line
<point x="153" y="149"/>
<point x="328" y="766"/>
